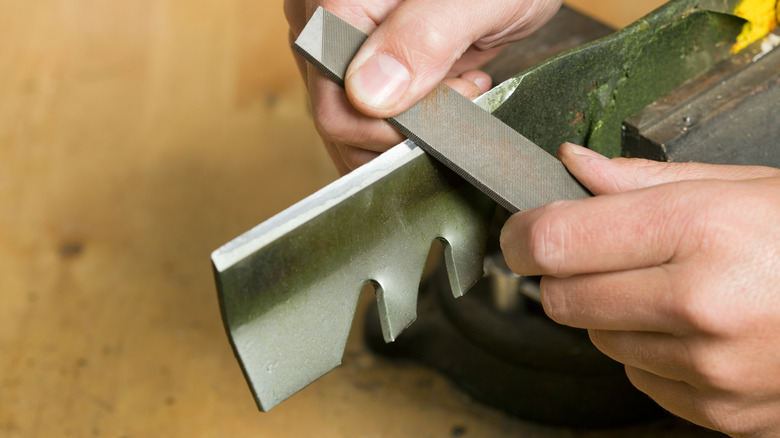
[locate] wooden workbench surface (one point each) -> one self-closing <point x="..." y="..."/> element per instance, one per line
<point x="135" y="138"/>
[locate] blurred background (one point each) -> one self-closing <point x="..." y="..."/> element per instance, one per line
<point x="135" y="138"/>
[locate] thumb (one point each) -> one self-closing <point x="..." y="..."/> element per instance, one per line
<point x="418" y="43"/>
<point x="601" y="175"/>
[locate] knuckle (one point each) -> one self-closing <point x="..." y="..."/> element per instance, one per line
<point x="433" y="40"/>
<point x="487" y="43"/>
<point x="554" y="303"/>
<point x="599" y="339"/>
<point x="697" y="303"/>
<point x="547" y="240"/>
<point x="427" y="43"/>
<point x="464" y="87"/>
<point x="695" y="313"/>
<point x="722" y="414"/>
<point x="330" y="124"/>
<point x="327" y="131"/>
<point x="354" y="157"/>
<point x="715" y="371"/>
<point x="434" y="32"/>
<point x="528" y="16"/>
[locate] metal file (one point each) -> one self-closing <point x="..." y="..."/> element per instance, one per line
<point x="482" y="149"/>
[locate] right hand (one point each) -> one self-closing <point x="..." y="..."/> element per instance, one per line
<point x="672" y="268"/>
<point x="413" y="45"/>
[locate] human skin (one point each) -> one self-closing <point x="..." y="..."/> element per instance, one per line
<point x="412" y="46"/>
<point x="674" y="270"/>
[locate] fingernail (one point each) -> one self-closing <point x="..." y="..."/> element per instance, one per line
<point x="483" y="83"/>
<point x="380" y="82"/>
<point x="584" y="152"/>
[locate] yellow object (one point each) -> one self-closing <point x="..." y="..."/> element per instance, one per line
<point x="762" y="17"/>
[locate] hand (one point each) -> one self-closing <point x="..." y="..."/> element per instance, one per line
<point x="675" y="271"/>
<point x="413" y="45"/>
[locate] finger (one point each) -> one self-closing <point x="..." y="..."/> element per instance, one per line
<point x="634" y="300"/>
<point x="675" y="396"/>
<point x="354" y="157"/>
<point x="419" y="42"/>
<point x="705" y="363"/>
<point x="481" y="79"/>
<point x="601" y="175"/>
<point x="714" y="410"/>
<point x="337" y="121"/>
<point x="631" y="230"/>
<point x="661" y="354"/>
<point x="351" y="157"/>
<point x="473" y="59"/>
<point x="467" y="88"/>
<point x="335" y="157"/>
<point x="364" y="16"/>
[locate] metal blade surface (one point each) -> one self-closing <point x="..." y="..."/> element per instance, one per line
<point x="482" y="149"/>
<point x="289" y="287"/>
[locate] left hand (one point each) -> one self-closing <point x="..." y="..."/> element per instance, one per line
<point x="675" y="271"/>
<point x="412" y="46"/>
